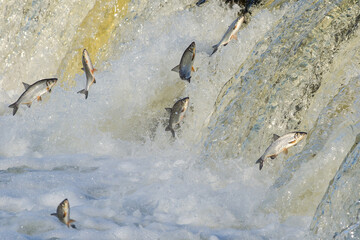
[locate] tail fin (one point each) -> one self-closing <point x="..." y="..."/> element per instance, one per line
<point x="168" y="128"/>
<point x="15" y="108"/>
<point x="84" y="91"/>
<point x="215" y="47"/>
<point x="247" y="6"/>
<point x="71" y="225"/>
<point x="261" y="162"/>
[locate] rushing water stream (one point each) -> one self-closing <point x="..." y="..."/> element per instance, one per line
<point x="293" y="67"/>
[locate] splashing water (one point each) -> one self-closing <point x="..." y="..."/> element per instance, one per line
<point x="124" y="175"/>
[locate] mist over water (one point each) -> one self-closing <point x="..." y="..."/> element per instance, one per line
<point x="124" y="175"/>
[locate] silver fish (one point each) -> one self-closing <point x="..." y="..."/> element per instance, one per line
<point x="230" y="33"/>
<point x="281" y="144"/>
<point x="186" y="63"/>
<point x="63" y="213"/>
<point x="177" y="114"/>
<point x="89" y="70"/>
<point x="33" y="92"/>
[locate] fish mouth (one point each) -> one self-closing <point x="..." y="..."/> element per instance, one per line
<point x="300" y="135"/>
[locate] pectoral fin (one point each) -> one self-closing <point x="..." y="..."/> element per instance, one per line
<point x="168" y="110"/>
<point x="39" y="98"/>
<point x="233" y="37"/>
<point x="286" y="151"/>
<point x="176" y="69"/>
<point x="83" y="69"/>
<point x="292" y="142"/>
<point x="54" y="214"/>
<point x="94" y="70"/>
<point x="28" y="104"/>
<point x="192" y="69"/>
<point x="273" y="156"/>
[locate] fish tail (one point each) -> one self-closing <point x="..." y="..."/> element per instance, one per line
<point x="168" y="128"/>
<point x="84" y="91"/>
<point x="15" y="107"/>
<point x="71" y="225"/>
<point x="261" y="162"/>
<point x="215" y="47"/>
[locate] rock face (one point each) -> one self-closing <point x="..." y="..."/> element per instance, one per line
<point x="338" y="213"/>
<point x="295" y="79"/>
<point x="276" y="84"/>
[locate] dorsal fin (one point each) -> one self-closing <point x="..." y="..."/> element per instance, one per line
<point x="169" y="110"/>
<point x="275" y="137"/>
<point x="26" y="86"/>
<point x="176" y="69"/>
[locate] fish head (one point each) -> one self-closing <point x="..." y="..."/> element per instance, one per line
<point x="86" y="61"/>
<point x="86" y="57"/>
<point x="299" y="136"/>
<point x="192" y="47"/>
<point x="65" y="204"/>
<point x="185" y="103"/>
<point x="239" y="21"/>
<point x="85" y="53"/>
<point x="51" y="82"/>
<point x="63" y="208"/>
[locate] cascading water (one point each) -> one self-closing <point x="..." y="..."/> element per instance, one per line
<point x="294" y="66"/>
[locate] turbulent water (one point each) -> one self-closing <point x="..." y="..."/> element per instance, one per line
<point x="293" y="67"/>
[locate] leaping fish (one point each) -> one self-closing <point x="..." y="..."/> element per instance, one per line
<point x="186" y="63"/>
<point x="230" y="33"/>
<point x="33" y="92"/>
<point x="89" y="70"/>
<point x="63" y="213"/>
<point x="281" y="144"/>
<point x="177" y="113"/>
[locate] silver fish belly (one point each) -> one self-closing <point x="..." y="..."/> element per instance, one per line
<point x="230" y="33"/>
<point x="281" y="144"/>
<point x="89" y="70"/>
<point x="33" y="92"/>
